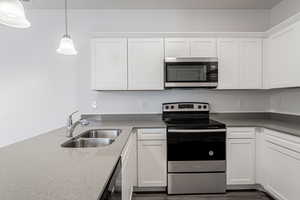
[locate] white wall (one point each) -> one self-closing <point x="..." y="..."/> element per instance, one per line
<point x="285" y="101"/>
<point x="39" y="88"/>
<point x="284" y="10"/>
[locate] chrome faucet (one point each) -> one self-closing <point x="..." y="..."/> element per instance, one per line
<point x="71" y="126"/>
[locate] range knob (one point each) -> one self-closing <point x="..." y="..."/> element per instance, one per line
<point x="172" y="107"/>
<point x="167" y="107"/>
<point x="199" y="107"/>
<point x="204" y="107"/>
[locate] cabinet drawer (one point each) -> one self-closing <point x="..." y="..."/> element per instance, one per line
<point x="241" y="133"/>
<point x="152" y="134"/>
<point x="289" y="142"/>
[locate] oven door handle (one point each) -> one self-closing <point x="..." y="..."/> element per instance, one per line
<point x="196" y="130"/>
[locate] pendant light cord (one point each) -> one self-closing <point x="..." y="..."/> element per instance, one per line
<point x="66" y="17"/>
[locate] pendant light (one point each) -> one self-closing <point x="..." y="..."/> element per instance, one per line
<point x="12" y="14"/>
<point x="66" y="46"/>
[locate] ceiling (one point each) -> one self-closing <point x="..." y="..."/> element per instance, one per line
<point x="153" y="4"/>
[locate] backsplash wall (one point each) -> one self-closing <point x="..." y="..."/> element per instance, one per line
<point x="133" y="102"/>
<point x="286" y="101"/>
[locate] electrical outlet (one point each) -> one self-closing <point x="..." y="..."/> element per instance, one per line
<point x="94" y="104"/>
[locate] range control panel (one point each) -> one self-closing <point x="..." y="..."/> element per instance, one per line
<point x="185" y="107"/>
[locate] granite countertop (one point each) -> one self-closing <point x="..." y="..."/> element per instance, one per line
<point x="285" y="126"/>
<point x="39" y="168"/>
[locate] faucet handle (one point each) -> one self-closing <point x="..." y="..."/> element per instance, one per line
<point x="84" y="122"/>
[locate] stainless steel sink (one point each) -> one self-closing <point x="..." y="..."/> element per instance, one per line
<point x="101" y="133"/>
<point x="93" y="138"/>
<point x="87" y="142"/>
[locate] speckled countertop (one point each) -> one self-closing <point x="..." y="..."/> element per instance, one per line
<point x="285" y="126"/>
<point x="40" y="169"/>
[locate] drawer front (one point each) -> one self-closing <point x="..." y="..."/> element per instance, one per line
<point x="241" y="133"/>
<point x="289" y="142"/>
<point x="195" y="183"/>
<point x="152" y="134"/>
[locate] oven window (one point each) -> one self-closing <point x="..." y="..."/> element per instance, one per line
<point x="186" y="73"/>
<point x="196" y="146"/>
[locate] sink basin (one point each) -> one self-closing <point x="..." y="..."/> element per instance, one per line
<point x="87" y="142"/>
<point x="101" y="133"/>
<point x="93" y="138"/>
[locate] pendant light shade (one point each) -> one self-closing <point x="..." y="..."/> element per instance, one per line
<point x="66" y="46"/>
<point x="12" y="14"/>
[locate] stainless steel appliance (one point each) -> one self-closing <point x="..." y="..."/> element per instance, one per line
<point x="191" y="72"/>
<point x="113" y="189"/>
<point x="196" y="149"/>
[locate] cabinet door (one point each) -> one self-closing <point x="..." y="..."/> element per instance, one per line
<point x="152" y="163"/>
<point x="228" y="53"/>
<point x="109" y="64"/>
<point x="266" y="63"/>
<point x="250" y="64"/>
<point x="240" y="161"/>
<point x="177" y="47"/>
<point x="203" y="47"/>
<point x="283" y="165"/>
<point x="284" y="67"/>
<point x="145" y="64"/>
<point x="129" y="167"/>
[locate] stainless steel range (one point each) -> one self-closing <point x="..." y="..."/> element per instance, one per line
<point x="196" y="149"/>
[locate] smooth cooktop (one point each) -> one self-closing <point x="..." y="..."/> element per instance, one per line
<point x="196" y="124"/>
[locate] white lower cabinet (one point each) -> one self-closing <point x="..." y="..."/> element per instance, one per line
<point x="282" y="160"/>
<point x="240" y="156"/>
<point x="254" y="156"/>
<point x="152" y="158"/>
<point x="129" y="167"/>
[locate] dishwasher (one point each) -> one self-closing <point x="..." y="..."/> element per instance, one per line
<point x="113" y="189"/>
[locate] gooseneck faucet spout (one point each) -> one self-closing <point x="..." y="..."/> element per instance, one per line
<point x="71" y="126"/>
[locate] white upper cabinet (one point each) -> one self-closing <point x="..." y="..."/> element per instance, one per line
<point x="240" y="63"/>
<point x="190" y="47"/>
<point x="203" y="47"/>
<point x="284" y="61"/>
<point x="228" y="55"/>
<point x="177" y="47"/>
<point x="266" y="63"/>
<point x="146" y="64"/>
<point x="109" y="64"/>
<point x="251" y="64"/>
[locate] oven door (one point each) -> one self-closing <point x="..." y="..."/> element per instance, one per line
<point x="192" y="150"/>
<point x="191" y="74"/>
<point x="196" y="145"/>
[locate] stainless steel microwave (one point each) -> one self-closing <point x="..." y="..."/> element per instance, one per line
<point x="191" y="72"/>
